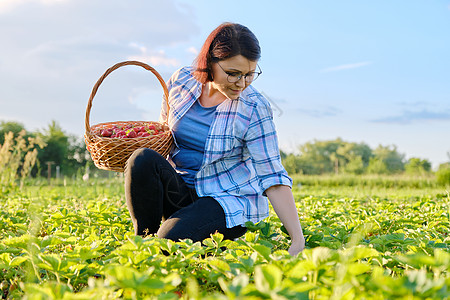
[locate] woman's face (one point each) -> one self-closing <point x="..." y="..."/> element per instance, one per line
<point x="234" y="66"/>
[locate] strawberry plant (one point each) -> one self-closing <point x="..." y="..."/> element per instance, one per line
<point x="76" y="241"/>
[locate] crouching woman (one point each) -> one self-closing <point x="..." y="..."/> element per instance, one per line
<point x="226" y="161"/>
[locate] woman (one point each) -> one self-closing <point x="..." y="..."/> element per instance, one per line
<point x="226" y="157"/>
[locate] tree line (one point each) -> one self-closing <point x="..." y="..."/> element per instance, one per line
<point x="68" y="153"/>
<point x="341" y="157"/>
<point x="61" y="153"/>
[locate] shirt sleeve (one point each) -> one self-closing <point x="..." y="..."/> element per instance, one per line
<point x="262" y="144"/>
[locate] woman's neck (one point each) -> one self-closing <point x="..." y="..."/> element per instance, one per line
<point x="211" y="96"/>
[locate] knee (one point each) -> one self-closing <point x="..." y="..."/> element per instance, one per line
<point x="173" y="229"/>
<point x="140" y="159"/>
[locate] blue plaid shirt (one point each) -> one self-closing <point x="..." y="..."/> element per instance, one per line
<point x="241" y="158"/>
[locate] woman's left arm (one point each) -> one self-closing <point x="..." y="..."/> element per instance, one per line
<point x="283" y="203"/>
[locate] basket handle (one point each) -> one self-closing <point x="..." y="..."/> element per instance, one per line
<point x="109" y="71"/>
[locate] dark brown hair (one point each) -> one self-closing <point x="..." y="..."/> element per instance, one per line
<point x="226" y="41"/>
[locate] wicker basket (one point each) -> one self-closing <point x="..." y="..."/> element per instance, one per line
<point x="112" y="153"/>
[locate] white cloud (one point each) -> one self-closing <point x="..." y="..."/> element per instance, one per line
<point x="192" y="50"/>
<point x="8" y="5"/>
<point x="51" y="55"/>
<point x="346" y="67"/>
<point x="322" y="112"/>
<point x="158" y="59"/>
<point x="153" y="58"/>
<point x="408" y="117"/>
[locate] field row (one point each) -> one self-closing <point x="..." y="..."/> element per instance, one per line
<point x="77" y="243"/>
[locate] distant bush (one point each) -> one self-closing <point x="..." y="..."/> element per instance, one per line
<point x="17" y="158"/>
<point x="443" y="176"/>
<point x="385" y="181"/>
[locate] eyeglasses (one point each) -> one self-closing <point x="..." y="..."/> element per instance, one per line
<point x="236" y="76"/>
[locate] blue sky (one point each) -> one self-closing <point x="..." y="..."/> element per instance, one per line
<point x="376" y="72"/>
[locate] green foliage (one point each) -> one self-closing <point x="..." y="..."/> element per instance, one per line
<point x="367" y="180"/>
<point x="317" y="157"/>
<point x="417" y="166"/>
<point x="341" y="157"/>
<point x="66" y="151"/>
<point x="377" y="166"/>
<point x="357" y="155"/>
<point x="355" y="165"/>
<point x="386" y="160"/>
<point x="76" y="242"/>
<point x="390" y="157"/>
<point x="443" y="176"/>
<point x="292" y="164"/>
<point x="56" y="150"/>
<point x="17" y="158"/>
<point x="14" y="127"/>
<point x="321" y="155"/>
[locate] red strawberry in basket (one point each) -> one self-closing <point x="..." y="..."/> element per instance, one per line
<point x="131" y="134"/>
<point x="106" y="132"/>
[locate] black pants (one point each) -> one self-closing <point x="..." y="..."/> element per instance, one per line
<point x="155" y="192"/>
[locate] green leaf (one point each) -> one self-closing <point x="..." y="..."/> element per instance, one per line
<point x="248" y="262"/>
<point x="357" y="268"/>
<point x="219" y="265"/>
<point x="5" y="259"/>
<point x="129" y="278"/>
<point x="18" y="260"/>
<point x="217" y="237"/>
<point x="192" y="288"/>
<point x="264" y="251"/>
<point x="250" y="236"/>
<point x="301" y="269"/>
<point x="319" y="255"/>
<point x="359" y="252"/>
<point x="236" y="287"/>
<point x="52" y="262"/>
<point x="268" y="278"/>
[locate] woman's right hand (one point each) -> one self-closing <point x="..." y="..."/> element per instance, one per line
<point x="297" y="246"/>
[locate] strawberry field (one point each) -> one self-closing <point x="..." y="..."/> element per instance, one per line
<point x="74" y="241"/>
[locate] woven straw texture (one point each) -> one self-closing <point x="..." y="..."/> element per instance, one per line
<point x="112" y="153"/>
